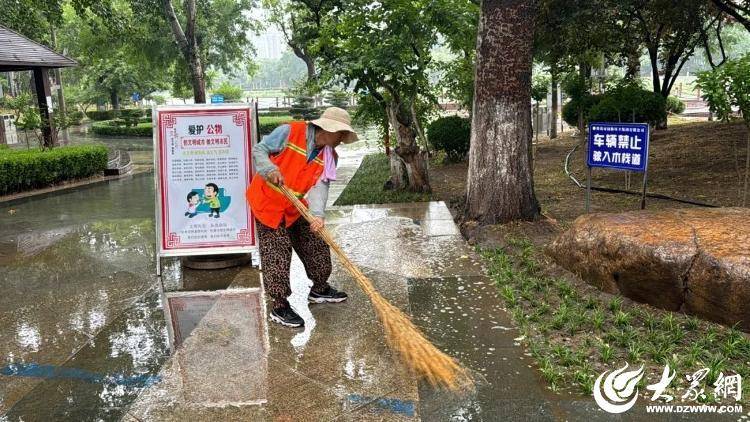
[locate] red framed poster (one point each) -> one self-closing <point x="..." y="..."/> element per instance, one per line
<point x="203" y="165"/>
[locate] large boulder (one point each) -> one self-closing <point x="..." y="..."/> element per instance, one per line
<point x="693" y="260"/>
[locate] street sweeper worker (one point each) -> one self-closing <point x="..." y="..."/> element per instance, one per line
<point x="302" y="157"/>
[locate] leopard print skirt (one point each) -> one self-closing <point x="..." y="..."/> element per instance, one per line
<point x="276" y="257"/>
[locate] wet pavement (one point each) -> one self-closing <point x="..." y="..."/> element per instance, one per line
<point x="89" y="333"/>
<point x="80" y="313"/>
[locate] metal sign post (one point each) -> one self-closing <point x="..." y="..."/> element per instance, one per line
<point x="620" y="146"/>
<point x="588" y="189"/>
<point x="645" y="174"/>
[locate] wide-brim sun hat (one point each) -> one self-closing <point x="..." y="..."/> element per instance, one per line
<point x="336" y="119"/>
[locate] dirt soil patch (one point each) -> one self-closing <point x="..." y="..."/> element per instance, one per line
<point x="701" y="161"/>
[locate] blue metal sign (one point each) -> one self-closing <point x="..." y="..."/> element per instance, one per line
<point x="217" y="99"/>
<point x="621" y="146"/>
<point x="136" y="96"/>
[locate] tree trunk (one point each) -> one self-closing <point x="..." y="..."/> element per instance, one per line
<point x="198" y="80"/>
<point x="309" y="61"/>
<point x="387" y="134"/>
<point x="62" y="109"/>
<point x="747" y="167"/>
<point x="553" y="113"/>
<point x="633" y="66"/>
<point x="500" y="184"/>
<point x="310" y="68"/>
<point x="408" y="158"/>
<point x="114" y="99"/>
<point x="188" y="42"/>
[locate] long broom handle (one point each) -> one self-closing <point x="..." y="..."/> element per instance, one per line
<point x="417" y="352"/>
<point x="359" y="277"/>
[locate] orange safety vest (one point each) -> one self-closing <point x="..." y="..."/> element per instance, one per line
<point x="267" y="202"/>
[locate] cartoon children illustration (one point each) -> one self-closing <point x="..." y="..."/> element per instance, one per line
<point x="192" y="200"/>
<point x="211" y="197"/>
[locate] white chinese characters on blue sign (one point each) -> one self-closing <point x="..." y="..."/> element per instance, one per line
<point x="621" y="146"/>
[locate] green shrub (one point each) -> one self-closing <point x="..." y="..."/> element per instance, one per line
<point x="571" y="108"/>
<point x="111" y="128"/>
<point x="303" y="108"/>
<point x="625" y="103"/>
<point x="338" y="98"/>
<point x="675" y="105"/>
<point x="450" y="134"/>
<point x="230" y="92"/>
<point x="269" y="123"/>
<point x="99" y="115"/>
<point x="22" y="170"/>
<point x="75" y="117"/>
<point x="274" y="111"/>
<point x="131" y="116"/>
<point x="630" y="104"/>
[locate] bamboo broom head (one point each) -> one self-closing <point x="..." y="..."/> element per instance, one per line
<point x="417" y="353"/>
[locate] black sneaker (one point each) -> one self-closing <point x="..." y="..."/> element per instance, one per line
<point x="329" y="295"/>
<point x="286" y="317"/>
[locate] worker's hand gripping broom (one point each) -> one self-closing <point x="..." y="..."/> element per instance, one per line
<point x="417" y="353"/>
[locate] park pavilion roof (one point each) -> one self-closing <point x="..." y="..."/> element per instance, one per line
<point x="20" y="53"/>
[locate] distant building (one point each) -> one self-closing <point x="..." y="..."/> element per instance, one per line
<point x="269" y="45"/>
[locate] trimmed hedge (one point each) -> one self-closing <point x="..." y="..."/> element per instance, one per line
<point x="22" y="170"/>
<point x="99" y="115"/>
<point x="109" y="128"/>
<point x="125" y="113"/>
<point x="144" y="128"/>
<point x="628" y="105"/>
<point x="451" y="134"/>
<point x="268" y="123"/>
<point x="621" y="104"/>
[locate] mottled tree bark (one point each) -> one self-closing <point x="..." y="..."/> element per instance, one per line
<point x="408" y="161"/>
<point x="500" y="184"/>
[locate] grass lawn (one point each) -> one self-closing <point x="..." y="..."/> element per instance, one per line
<point x="366" y="186"/>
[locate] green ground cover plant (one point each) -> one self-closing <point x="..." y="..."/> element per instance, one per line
<point x="576" y="333"/>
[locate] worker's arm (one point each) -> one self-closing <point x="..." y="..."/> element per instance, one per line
<point x="317" y="197"/>
<point x="272" y="143"/>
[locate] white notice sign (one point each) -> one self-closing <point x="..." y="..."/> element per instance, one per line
<point x="203" y="166"/>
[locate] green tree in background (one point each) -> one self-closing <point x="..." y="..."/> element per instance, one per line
<point x="206" y="34"/>
<point x="385" y="48"/>
<point x="727" y="88"/>
<point x="230" y="92"/>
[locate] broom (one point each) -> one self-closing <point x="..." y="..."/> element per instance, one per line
<point x="417" y="353"/>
